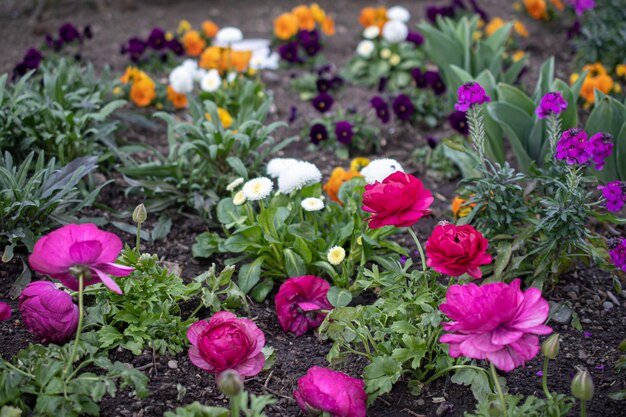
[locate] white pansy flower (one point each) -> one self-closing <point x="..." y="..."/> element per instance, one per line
<point x="211" y="81"/>
<point x="395" y="31"/>
<point x="380" y="169"/>
<point x="399" y="13"/>
<point x="234" y="184"/>
<point x="312" y="204"/>
<point x="258" y="188"/>
<point x="371" y="32"/>
<point x="277" y="166"/>
<point x="298" y="176"/>
<point x="181" y="80"/>
<point x="228" y="35"/>
<point x="365" y="48"/>
<point x="336" y="255"/>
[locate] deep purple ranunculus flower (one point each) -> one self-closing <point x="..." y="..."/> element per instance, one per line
<point x="419" y="77"/>
<point x="469" y="95"/>
<point x="344" y="132"/>
<point x="176" y="47"/>
<point x="289" y="52"/>
<point x="458" y="122"/>
<point x="32" y="59"/>
<point x="135" y="48"/>
<point x="87" y="32"/>
<point x="381" y="107"/>
<point x="435" y="82"/>
<point x="617" y="251"/>
<point x="614" y="194"/>
<point x="323" y="102"/>
<point x="551" y="103"/>
<point x="601" y="146"/>
<point x="318" y="133"/>
<point x="403" y="107"/>
<point x="157" y="40"/>
<point x="323" y="85"/>
<point x="69" y="33"/>
<point x="573" y="147"/>
<point x="415" y="38"/>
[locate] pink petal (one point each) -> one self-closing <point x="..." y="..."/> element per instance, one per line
<point x="252" y="365"/>
<point x="196" y="359"/>
<point x="195" y="330"/>
<point x="85" y="252"/>
<point x="107" y="281"/>
<point x="116" y="270"/>
<point x="306" y="306"/>
<point x="502" y="336"/>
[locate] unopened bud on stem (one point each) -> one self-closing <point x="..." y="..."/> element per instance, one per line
<point x="230" y="382"/>
<point x="582" y="385"/>
<point x="550" y="347"/>
<point x="140" y="214"/>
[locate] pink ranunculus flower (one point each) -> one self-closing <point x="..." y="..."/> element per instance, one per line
<point x="298" y="303"/>
<point x="454" y="250"/>
<point x="48" y="312"/>
<point x="5" y="311"/>
<point x="227" y="342"/>
<point x="333" y="392"/>
<point x="80" y="248"/>
<point x="400" y="200"/>
<point x="496" y="321"/>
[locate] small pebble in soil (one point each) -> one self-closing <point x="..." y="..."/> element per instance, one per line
<point x="607" y="305"/>
<point x="172" y="364"/>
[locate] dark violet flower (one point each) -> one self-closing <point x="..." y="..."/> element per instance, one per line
<point x="176" y="47"/>
<point x="435" y="82"/>
<point x="336" y="82"/>
<point x="419" y="77"/>
<point x="415" y="38"/>
<point x="470" y="94"/>
<point x="54" y="44"/>
<point x="539" y="373"/>
<point x="323" y="102"/>
<point x="382" y="84"/>
<point x="323" y="85"/>
<point x="157" y="40"/>
<point x="573" y="147"/>
<point x="617" y="251"/>
<point x="587" y="334"/>
<point x="318" y="133"/>
<point x="403" y="260"/>
<point x="551" y="103"/>
<point x="343" y="131"/>
<point x="458" y="122"/>
<point x="310" y="42"/>
<point x="87" y="32"/>
<point x="433" y="11"/>
<point x="381" y="107"/>
<point x="32" y="59"/>
<point x="614" y="194"/>
<point x="135" y="48"/>
<point x="289" y="52"/>
<point x="601" y="145"/>
<point x="479" y="11"/>
<point x="69" y="33"/>
<point x="403" y="107"/>
<point x="574" y="30"/>
<point x="582" y="5"/>
<point x="293" y="115"/>
<point x="432" y="141"/>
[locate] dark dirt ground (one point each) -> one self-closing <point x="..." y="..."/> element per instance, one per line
<point x="586" y="289"/>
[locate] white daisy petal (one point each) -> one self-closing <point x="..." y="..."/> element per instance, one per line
<point x="258" y="188"/>
<point x="277" y="165"/>
<point x="312" y="204"/>
<point x="298" y="176"/>
<point x="380" y="169"/>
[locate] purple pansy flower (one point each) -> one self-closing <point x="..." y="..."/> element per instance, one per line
<point x="289" y="52"/>
<point x="323" y="102"/>
<point x="381" y="107"/>
<point x="403" y="107"/>
<point x="157" y="40"/>
<point x="435" y="82"/>
<point x="419" y="77"/>
<point x="344" y="132"/>
<point x="458" y="122"/>
<point x="69" y="33"/>
<point x="415" y="38"/>
<point x="318" y="133"/>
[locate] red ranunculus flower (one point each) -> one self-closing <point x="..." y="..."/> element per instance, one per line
<point x="400" y="200"/>
<point x="227" y="342"/>
<point x="298" y="301"/>
<point x="454" y="250"/>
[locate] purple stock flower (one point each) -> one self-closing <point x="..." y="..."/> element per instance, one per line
<point x="573" y="147"/>
<point x="381" y="107"/>
<point x="617" y="251"/>
<point x="415" y="38"/>
<point x="551" y="103"/>
<point x="582" y="5"/>
<point x="344" y="132"/>
<point x="323" y="102"/>
<point x="614" y="194"/>
<point x="157" y="40"/>
<point x="419" y="77"/>
<point x="470" y="94"/>
<point x="69" y="33"/>
<point x="458" y="122"/>
<point x="435" y="82"/>
<point x="289" y="52"/>
<point x="601" y="145"/>
<point x="318" y="133"/>
<point x="403" y="107"/>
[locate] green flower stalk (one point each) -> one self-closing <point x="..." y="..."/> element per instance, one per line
<point x="550" y="350"/>
<point x="139" y="216"/>
<point x="582" y="389"/>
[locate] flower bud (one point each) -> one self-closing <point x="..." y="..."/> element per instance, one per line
<point x="582" y="385"/>
<point x="230" y="382"/>
<point x="495" y="408"/>
<point x="550" y="347"/>
<point x="140" y="214"/>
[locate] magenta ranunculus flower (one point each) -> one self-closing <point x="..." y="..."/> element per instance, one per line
<point x="227" y="342"/>
<point x="617" y="251"/>
<point x="324" y="390"/>
<point x="496" y="321"/>
<point x="5" y="311"/>
<point x="80" y="249"/>
<point x="48" y="312"/>
<point x="400" y="200"/>
<point x="454" y="250"/>
<point x="298" y="303"/>
<point x="551" y="103"/>
<point x="469" y="95"/>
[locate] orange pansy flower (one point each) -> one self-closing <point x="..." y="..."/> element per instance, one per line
<point x="193" y="43"/>
<point x="179" y="100"/>
<point x="305" y="18"/>
<point x="337" y="178"/>
<point x="209" y="28"/>
<point x="286" y="26"/>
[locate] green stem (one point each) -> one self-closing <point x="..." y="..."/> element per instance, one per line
<point x="544" y="379"/>
<point x="496" y="383"/>
<point x="138" y="242"/>
<point x="583" y="408"/>
<point x="452" y="368"/>
<point x="193" y="313"/>
<point x="80" y="324"/>
<point x="419" y="248"/>
<point x="235" y="404"/>
<point x="18" y="370"/>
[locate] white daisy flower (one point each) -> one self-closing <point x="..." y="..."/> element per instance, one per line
<point x="312" y="204"/>
<point x="228" y="35"/>
<point x="380" y="169"/>
<point x="258" y="188"/>
<point x="264" y="59"/>
<point x="239" y="198"/>
<point x="298" y="176"/>
<point x="277" y="165"/>
<point x="211" y="81"/>
<point x="365" y="48"/>
<point x="181" y="79"/>
<point x="234" y="184"/>
<point x="395" y="31"/>
<point x="336" y="255"/>
<point x="399" y="13"/>
<point x="371" y="32"/>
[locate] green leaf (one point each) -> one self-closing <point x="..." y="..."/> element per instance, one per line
<point x="339" y="297"/>
<point x="380" y="375"/>
<point x="294" y="264"/>
<point x="250" y="275"/>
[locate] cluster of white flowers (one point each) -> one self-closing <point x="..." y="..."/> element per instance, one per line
<point x="277" y="166"/>
<point x="298" y="176"/>
<point x="395" y="30"/>
<point x="379" y="169"/>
